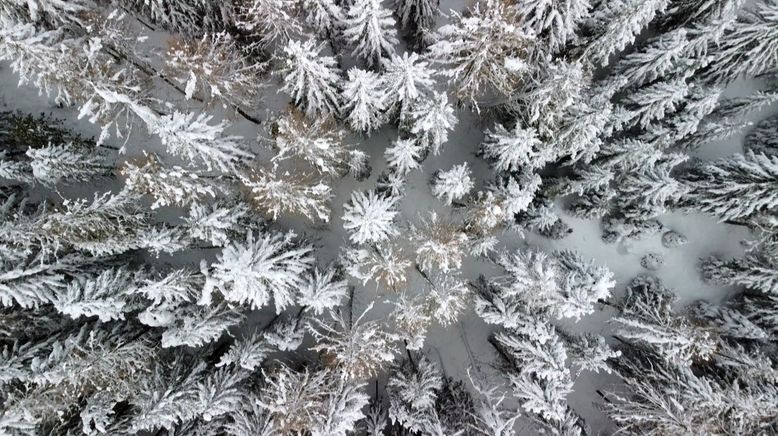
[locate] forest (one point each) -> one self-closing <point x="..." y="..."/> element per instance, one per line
<point x="388" y="217"/>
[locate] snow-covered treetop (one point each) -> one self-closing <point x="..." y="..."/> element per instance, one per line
<point x="267" y="266"/>
<point x="484" y="50"/>
<point x="369" y="217"/>
<point x="453" y="184"/>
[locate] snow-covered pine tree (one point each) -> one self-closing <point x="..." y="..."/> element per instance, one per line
<point x="515" y="149"/>
<point x="193" y="137"/>
<point x="196" y="325"/>
<point x="447" y="298"/>
<point x="274" y="192"/>
<point x="190" y="17"/>
<point x="30" y="281"/>
<point x="214" y="69"/>
<point x="747" y="47"/>
<point x="758" y="270"/>
<point x="734" y="188"/>
<point x="269" y="22"/>
<point x="108" y="224"/>
<point x="369" y="217"/>
<point x="615" y="24"/>
<point x="168" y="186"/>
<point x="316" y="401"/>
<point x="320" y="143"/>
<point x="323" y="289"/>
<point x="453" y="184"/>
<point x="404" y="155"/>
<point x="265" y="266"/>
<point x="369" y="28"/>
<point x="646" y="317"/>
<point x="411" y="319"/>
<point x="385" y="264"/>
<point x="358" y="347"/>
<point x="440" y="244"/>
<point x="517" y="192"/>
<point x="431" y="120"/>
<point x="313" y="81"/>
<point x="406" y="79"/>
<point x="648" y="192"/>
<point x="662" y="398"/>
<point x="727" y="384"/>
<point x="50" y="12"/>
<point x="217" y="223"/>
<point x="105" y="295"/>
<point x="484" y="51"/>
<point x="418" y="18"/>
<point x="555" y="22"/>
<point x="76" y="363"/>
<point x="492" y="417"/>
<point x="655" y="101"/>
<point x="364" y="100"/>
<point x="728" y="118"/>
<point x="541" y="379"/>
<point x="413" y="390"/>
<point x="324" y="16"/>
<point x="41" y="148"/>
<point x="559" y="286"/>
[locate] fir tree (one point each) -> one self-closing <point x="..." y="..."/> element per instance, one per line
<point x="269" y="22"/>
<point x="310" y="79"/>
<point x="214" y="69"/>
<point x="320" y="143"/>
<point x="173" y="186"/>
<point x="406" y="79"/>
<point x="265" y="266"/>
<point x="483" y="51"/>
<point x="364" y="100"/>
<point x="404" y="155"/>
<point x="439" y="244"/>
<point x="734" y="188"/>
<point x="359" y="348"/>
<point x="431" y="120"/>
<point x="369" y="28"/>
<point x="275" y="192"/>
<point x="370" y="217"/>
<point x="452" y="184"/>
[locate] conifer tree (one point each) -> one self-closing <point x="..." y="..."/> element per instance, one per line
<point x="452" y="184"/>
<point x="417" y="15"/>
<point x="431" y="120"/>
<point x="615" y="24"/>
<point x="370" y="217"/>
<point x="406" y="79"/>
<point x="747" y="47"/>
<point x="269" y="22"/>
<point x="213" y="69"/>
<point x="369" y="28"/>
<point x="555" y="21"/>
<point x="483" y="51"/>
<point x="439" y="244"/>
<point x="267" y="266"/>
<point x="320" y="143"/>
<point x="275" y="192"/>
<point x="735" y="188"/>
<point x="310" y="79"/>
<point x="360" y="348"/>
<point x="364" y="100"/>
<point x="173" y="186"/>
<point x="404" y="155"/>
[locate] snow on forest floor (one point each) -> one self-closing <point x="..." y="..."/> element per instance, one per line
<point x="461" y="344"/>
